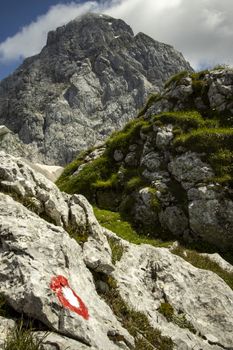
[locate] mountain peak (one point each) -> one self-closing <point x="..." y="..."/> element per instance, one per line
<point x="93" y="27"/>
<point x="92" y="77"/>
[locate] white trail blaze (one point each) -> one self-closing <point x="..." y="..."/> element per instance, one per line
<point x="69" y="295"/>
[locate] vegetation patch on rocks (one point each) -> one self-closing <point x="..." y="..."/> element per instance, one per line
<point x="146" y="337"/>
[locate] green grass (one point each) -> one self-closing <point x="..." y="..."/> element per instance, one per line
<point x="179" y="319"/>
<point x="121" y="140"/>
<point x="151" y="100"/>
<point x="71" y="168"/>
<point x="176" y="78"/>
<point x="185" y="119"/>
<point x="206" y="139"/>
<point x="98" y="170"/>
<point x="80" y="236"/>
<point x="217" y="145"/>
<point x="146" y="337"/>
<point x="134" y="183"/>
<point x="114" y="222"/>
<point x="203" y="262"/>
<point x="21" y="338"/>
<point x="117" y="249"/>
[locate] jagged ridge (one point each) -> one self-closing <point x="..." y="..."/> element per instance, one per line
<point x="89" y="79"/>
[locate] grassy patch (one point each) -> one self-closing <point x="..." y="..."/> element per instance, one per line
<point x="121" y="140"/>
<point x="98" y="170"/>
<point x="137" y="323"/>
<point x="134" y="183"/>
<point x="21" y="338"/>
<point x="71" y="168"/>
<point x="117" y="249"/>
<point x="176" y="78"/>
<point x="203" y="262"/>
<point x="199" y="75"/>
<point x="179" y="319"/>
<point x="80" y="236"/>
<point x="185" y="120"/>
<point x="151" y="100"/>
<point x="114" y="222"/>
<point x="217" y="144"/>
<point x="154" y="202"/>
<point x="206" y="139"/>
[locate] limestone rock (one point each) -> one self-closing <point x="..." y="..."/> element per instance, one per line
<point x="212" y="218"/>
<point x="149" y="276"/>
<point x="72" y="212"/>
<point x="164" y="137"/>
<point x="189" y="169"/>
<point x="32" y="252"/>
<point x="92" y="76"/>
<point x="54" y="341"/>
<point x="174" y="219"/>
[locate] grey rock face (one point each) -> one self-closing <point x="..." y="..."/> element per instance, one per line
<point x="71" y="212"/>
<point x="32" y="251"/>
<point x="91" y="77"/>
<point x="213" y="92"/>
<point x="189" y="170"/>
<point x="212" y="218"/>
<point x="149" y="276"/>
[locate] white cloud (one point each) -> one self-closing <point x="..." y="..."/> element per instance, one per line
<point x="31" y="38"/>
<point x="202" y="29"/>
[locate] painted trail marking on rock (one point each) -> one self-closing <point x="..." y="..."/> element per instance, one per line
<point x="68" y="298"/>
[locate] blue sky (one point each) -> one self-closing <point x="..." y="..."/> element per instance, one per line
<point x="14" y="15"/>
<point x="202" y="29"/>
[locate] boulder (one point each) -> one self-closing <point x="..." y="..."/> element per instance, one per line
<point x="149" y="276"/>
<point x="33" y="252"/>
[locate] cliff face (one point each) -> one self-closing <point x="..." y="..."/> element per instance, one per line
<point x="90" y="79"/>
<point x="170" y="170"/>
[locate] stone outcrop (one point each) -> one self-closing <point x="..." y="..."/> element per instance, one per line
<point x="149" y="276"/>
<point x="89" y="80"/>
<point x="170" y="170"/>
<point x="34" y="250"/>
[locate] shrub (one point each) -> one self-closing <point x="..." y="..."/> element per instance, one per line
<point x="21" y="338"/>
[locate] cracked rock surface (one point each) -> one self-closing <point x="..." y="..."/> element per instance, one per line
<point x="91" y="78"/>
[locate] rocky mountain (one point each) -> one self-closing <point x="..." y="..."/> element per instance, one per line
<point x="83" y="287"/>
<point x="89" y="80"/>
<point x="169" y="171"/>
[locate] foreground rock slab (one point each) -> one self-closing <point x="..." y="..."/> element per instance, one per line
<point x="32" y="252"/>
<point x="149" y="276"/>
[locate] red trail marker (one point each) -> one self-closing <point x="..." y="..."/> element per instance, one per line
<point x="68" y="298"/>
